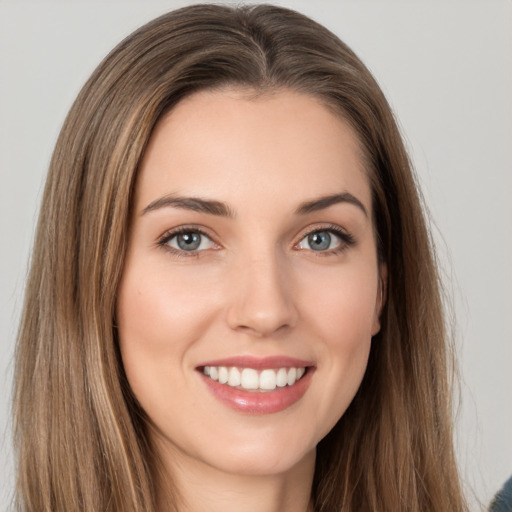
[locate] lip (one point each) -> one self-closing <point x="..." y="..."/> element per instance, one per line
<point x="259" y="363"/>
<point x="254" y="402"/>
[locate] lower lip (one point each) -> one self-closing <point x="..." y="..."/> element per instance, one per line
<point x="255" y="402"/>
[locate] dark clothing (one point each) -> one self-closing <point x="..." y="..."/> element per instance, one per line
<point x="502" y="502"/>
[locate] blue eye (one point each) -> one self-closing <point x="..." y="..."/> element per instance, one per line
<point x="324" y="240"/>
<point x="320" y="241"/>
<point x="188" y="241"/>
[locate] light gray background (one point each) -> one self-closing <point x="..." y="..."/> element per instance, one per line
<point x="446" y="69"/>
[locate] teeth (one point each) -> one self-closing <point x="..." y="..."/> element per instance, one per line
<point x="249" y="379"/>
<point x="214" y="372"/>
<point x="282" y="377"/>
<point x="268" y="379"/>
<point x="235" y="378"/>
<point x="223" y="375"/>
<point x="252" y="380"/>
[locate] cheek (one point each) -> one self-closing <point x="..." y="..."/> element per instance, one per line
<point x="158" y="318"/>
<point x="346" y="321"/>
<point x="341" y="314"/>
<point x="342" y="304"/>
<point x="159" y="309"/>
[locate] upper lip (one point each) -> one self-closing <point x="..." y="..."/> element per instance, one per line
<point x="259" y="363"/>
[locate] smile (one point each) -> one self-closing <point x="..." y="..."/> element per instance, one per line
<point x="253" y="385"/>
<point x="250" y="379"/>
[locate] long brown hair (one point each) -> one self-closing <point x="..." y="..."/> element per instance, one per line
<point x="81" y="437"/>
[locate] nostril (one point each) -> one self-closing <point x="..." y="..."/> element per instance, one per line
<point x="260" y="329"/>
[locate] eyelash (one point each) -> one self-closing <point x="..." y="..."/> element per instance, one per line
<point x="346" y="240"/>
<point x="169" y="235"/>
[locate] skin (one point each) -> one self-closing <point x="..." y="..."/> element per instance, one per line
<point x="255" y="287"/>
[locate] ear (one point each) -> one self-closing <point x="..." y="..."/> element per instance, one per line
<point x="381" y="297"/>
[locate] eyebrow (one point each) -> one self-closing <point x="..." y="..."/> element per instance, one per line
<point x="326" y="201"/>
<point x="220" y="209"/>
<point x="195" y="204"/>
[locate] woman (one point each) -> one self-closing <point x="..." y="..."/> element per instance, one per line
<point x="233" y="300"/>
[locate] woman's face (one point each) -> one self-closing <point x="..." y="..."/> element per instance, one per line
<point x="250" y="291"/>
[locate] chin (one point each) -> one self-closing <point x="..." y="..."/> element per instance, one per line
<point x="266" y="462"/>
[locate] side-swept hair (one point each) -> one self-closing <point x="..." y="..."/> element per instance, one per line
<point x="81" y="438"/>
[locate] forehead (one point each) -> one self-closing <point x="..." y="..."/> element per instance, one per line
<point x="232" y="143"/>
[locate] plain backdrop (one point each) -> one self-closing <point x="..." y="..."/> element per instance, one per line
<point x="446" y="68"/>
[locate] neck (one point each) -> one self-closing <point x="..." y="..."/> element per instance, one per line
<point x="203" y="487"/>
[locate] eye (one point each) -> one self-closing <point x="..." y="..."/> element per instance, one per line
<point x="319" y="241"/>
<point x="187" y="240"/>
<point x="326" y="240"/>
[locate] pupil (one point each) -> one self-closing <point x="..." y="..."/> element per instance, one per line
<point x="189" y="241"/>
<point x="319" y="241"/>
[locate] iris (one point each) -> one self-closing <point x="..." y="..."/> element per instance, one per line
<point x="319" y="241"/>
<point x="188" y="241"/>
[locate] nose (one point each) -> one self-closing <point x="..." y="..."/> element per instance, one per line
<point x="262" y="301"/>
